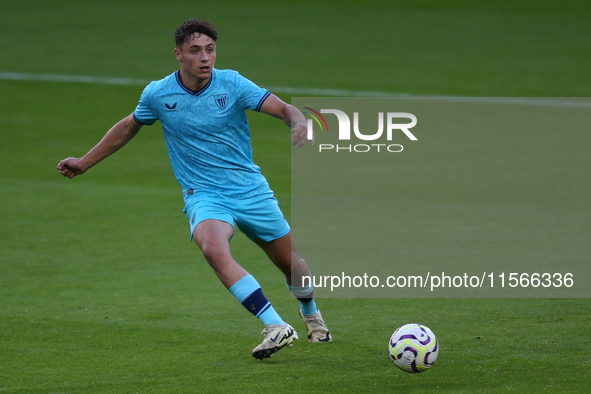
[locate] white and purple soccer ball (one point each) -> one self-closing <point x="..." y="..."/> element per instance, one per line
<point x="413" y="348"/>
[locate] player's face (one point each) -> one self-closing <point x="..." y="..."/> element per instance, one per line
<point x="197" y="56"/>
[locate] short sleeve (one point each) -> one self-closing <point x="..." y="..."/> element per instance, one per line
<point x="251" y="96"/>
<point x="144" y="112"/>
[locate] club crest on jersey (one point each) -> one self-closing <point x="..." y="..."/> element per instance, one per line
<point x="221" y="100"/>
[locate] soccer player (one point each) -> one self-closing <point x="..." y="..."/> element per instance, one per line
<point x="202" y="112"/>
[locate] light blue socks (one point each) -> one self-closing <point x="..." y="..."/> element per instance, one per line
<point x="249" y="293"/>
<point x="305" y="296"/>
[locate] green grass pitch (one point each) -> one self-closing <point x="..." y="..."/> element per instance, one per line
<point x="101" y="290"/>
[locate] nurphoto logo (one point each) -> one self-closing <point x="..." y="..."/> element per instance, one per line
<point x="344" y="131"/>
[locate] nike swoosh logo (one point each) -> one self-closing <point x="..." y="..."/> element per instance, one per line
<point x="276" y="336"/>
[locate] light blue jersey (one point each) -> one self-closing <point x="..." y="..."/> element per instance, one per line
<point x="207" y="133"/>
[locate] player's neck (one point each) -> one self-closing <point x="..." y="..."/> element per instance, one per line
<point x="191" y="82"/>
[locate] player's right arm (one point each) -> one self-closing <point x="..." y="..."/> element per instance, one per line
<point x="116" y="137"/>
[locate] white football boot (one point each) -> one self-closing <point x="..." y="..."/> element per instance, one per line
<point x="276" y="337"/>
<point x="317" y="330"/>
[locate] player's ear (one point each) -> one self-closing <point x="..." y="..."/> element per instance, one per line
<point x="177" y="53"/>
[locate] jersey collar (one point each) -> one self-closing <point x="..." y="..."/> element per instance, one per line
<point x="193" y="92"/>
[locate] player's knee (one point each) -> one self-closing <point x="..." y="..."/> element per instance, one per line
<point x="212" y="253"/>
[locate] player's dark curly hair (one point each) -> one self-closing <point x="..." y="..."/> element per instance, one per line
<point x="192" y="26"/>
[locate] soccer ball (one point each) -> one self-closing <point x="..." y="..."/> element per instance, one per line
<point x="413" y="348"/>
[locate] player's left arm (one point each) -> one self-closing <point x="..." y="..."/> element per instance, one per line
<point x="292" y="117"/>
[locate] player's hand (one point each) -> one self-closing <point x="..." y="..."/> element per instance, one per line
<point x="299" y="135"/>
<point x="71" y="167"/>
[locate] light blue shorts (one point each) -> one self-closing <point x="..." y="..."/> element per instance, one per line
<point x="258" y="217"/>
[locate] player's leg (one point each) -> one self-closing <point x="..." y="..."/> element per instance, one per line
<point x="213" y="238"/>
<point x="284" y="255"/>
<point x="263" y="222"/>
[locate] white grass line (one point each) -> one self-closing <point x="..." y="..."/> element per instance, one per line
<point x="72" y="78"/>
<point x="534" y="101"/>
<point x="302" y="92"/>
<point x="584" y="102"/>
